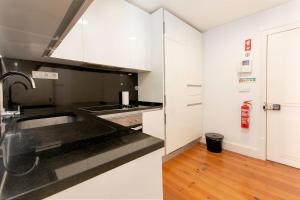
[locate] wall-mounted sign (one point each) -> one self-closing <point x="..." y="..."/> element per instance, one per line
<point x="248" y="45"/>
<point x="247" y="80"/>
<point x="246" y="83"/>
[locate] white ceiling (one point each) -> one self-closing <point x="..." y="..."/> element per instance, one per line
<point x="27" y="26"/>
<point x="206" y="14"/>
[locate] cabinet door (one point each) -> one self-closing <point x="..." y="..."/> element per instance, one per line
<point x="138" y="179"/>
<point x="194" y="56"/>
<point x="175" y="29"/>
<point x="153" y="123"/>
<point x="193" y="121"/>
<point x="180" y="32"/>
<point x="139" y="27"/>
<point x="105" y="34"/>
<point x="117" y="34"/>
<point x="71" y="48"/>
<point x="183" y="89"/>
<point x="176" y="135"/>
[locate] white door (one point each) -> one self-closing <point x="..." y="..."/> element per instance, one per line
<point x="283" y="87"/>
<point x="176" y="134"/>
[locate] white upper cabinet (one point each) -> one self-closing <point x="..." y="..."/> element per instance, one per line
<point x="113" y="33"/>
<point x="117" y="34"/>
<point x="71" y="47"/>
<point x="105" y="37"/>
<point x="175" y="29"/>
<point x="139" y="27"/>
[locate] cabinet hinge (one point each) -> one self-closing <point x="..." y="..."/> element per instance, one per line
<point x="165" y="104"/>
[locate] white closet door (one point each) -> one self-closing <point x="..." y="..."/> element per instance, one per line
<point x="175" y="29"/>
<point x="194" y="56"/>
<point x="183" y="62"/>
<point x="176" y="135"/>
<point x="175" y="44"/>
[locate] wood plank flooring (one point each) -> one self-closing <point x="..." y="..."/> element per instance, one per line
<point x="199" y="174"/>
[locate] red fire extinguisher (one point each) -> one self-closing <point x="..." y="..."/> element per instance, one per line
<point x="245" y="114"/>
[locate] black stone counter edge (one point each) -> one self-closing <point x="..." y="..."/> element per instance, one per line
<point x="146" y="103"/>
<point x="53" y="188"/>
<point x="108" y="112"/>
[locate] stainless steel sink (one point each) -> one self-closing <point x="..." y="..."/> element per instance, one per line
<point x="42" y="122"/>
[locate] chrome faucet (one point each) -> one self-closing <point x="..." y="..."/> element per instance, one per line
<point x="13" y="73"/>
<point x="10" y="100"/>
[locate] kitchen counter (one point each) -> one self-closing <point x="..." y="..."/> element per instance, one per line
<point x="39" y="162"/>
<point x="137" y="107"/>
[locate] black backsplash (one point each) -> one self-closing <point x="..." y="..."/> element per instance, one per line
<point x="75" y="85"/>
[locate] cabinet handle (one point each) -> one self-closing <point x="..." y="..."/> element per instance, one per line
<point x="193" y="85"/>
<point x="194" y="104"/>
<point x="138" y="128"/>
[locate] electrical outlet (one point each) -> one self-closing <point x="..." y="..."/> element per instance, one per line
<point x="44" y="75"/>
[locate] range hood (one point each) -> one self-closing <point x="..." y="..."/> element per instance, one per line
<point x="29" y="28"/>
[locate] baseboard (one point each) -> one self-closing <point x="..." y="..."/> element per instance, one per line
<point x="181" y="150"/>
<point x="241" y="149"/>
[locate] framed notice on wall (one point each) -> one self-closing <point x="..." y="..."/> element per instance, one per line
<point x="248" y="45"/>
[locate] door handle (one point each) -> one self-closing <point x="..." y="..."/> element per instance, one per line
<point x="268" y="106"/>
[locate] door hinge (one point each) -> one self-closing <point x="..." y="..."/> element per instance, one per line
<point x="164" y="106"/>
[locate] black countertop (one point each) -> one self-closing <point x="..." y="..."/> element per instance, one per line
<point x="40" y="162"/>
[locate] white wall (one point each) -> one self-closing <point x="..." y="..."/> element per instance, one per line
<point x="223" y="50"/>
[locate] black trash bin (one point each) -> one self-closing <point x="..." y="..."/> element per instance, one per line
<point x="214" y="142"/>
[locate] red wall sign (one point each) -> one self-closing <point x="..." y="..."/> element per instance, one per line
<point x="248" y="45"/>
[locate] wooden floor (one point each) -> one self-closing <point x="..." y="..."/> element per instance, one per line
<point x="199" y="174"/>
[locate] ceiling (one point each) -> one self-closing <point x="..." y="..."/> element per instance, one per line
<point x="206" y="14"/>
<point x="28" y="26"/>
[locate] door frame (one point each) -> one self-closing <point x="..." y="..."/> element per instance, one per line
<point x="264" y="58"/>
